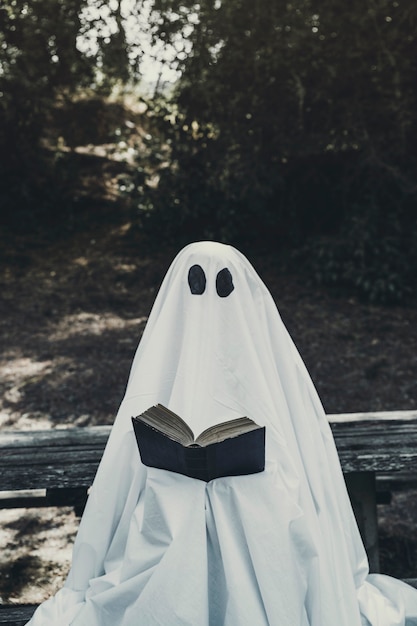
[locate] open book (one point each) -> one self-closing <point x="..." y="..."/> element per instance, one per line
<point x="231" y="448"/>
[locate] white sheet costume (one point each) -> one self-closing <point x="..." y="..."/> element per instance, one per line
<point x="279" y="548"/>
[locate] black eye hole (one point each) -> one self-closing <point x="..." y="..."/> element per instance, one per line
<point x="224" y="283"/>
<point x="197" y="280"/>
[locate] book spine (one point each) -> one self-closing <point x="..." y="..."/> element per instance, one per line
<point x="195" y="462"/>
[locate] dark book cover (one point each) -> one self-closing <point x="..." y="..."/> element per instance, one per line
<point x="237" y="455"/>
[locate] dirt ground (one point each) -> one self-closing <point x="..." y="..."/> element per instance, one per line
<point x="71" y="316"/>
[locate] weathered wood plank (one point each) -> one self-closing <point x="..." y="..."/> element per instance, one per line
<point x="51" y="458"/>
<point x="376" y="416"/>
<point x="19" y="501"/>
<point x="377" y="445"/>
<point x="51" y="475"/>
<point x="16" y="615"/>
<point x="380" y="442"/>
<point x="397" y="481"/>
<point x="67" y="452"/>
<point x="54" y="437"/>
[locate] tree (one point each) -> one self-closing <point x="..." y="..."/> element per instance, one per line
<point x="298" y="119"/>
<point x="41" y="58"/>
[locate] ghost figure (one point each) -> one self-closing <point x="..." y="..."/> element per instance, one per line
<point x="277" y="548"/>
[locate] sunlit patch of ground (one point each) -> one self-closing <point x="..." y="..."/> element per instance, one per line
<point x="15" y="374"/>
<point x="92" y="323"/>
<point x="35" y="552"/>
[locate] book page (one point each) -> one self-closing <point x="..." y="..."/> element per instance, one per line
<point x="169" y="423"/>
<point x="225" y="430"/>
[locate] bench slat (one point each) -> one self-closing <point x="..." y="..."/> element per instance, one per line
<point x="85" y="436"/>
<point x="16" y="615"/>
<point x="377" y="445"/>
<point x="51" y="458"/>
<point x="383" y="442"/>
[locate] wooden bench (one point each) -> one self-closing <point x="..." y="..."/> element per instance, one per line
<point x="16" y="615"/>
<point x="378" y="451"/>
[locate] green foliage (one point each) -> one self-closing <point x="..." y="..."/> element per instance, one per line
<point x="37" y="55"/>
<point x="41" y="62"/>
<point x="296" y="123"/>
<point x="293" y="124"/>
<point x="378" y="266"/>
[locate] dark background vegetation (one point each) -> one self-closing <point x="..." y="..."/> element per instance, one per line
<point x="289" y="133"/>
<point x="292" y="127"/>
